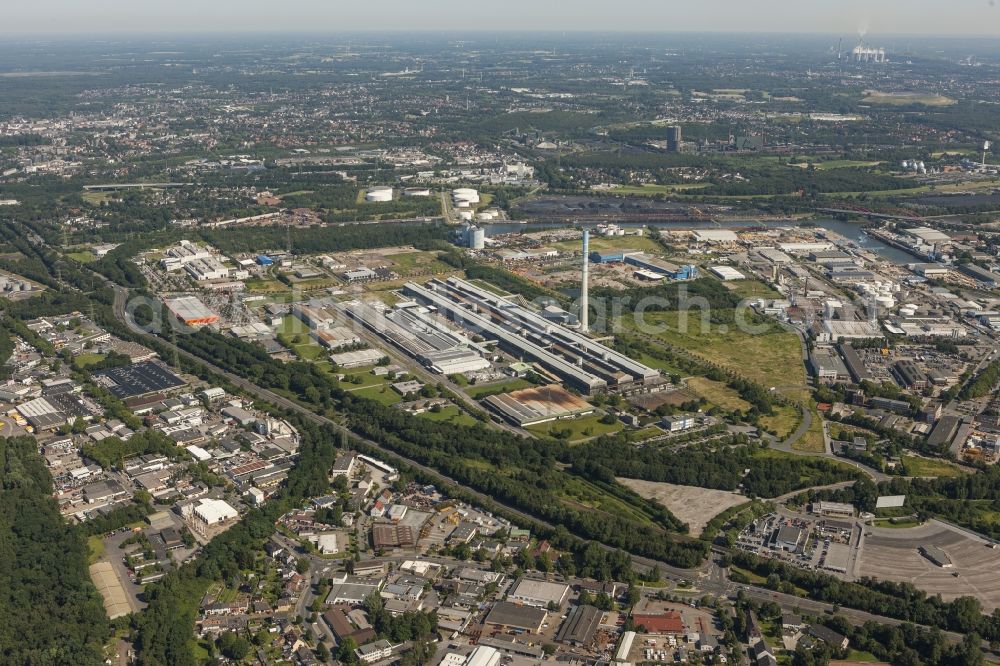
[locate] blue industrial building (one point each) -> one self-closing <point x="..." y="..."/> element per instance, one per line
<point x="264" y="260"/>
<point x="685" y="273"/>
<point x="607" y="257"/>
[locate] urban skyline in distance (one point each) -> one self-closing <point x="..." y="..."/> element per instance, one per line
<point x="891" y="17"/>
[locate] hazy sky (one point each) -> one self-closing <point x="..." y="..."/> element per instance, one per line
<point x="976" y="17"/>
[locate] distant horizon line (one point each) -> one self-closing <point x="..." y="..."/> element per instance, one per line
<point x="141" y="34"/>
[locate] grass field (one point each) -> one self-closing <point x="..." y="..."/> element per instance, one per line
<point x="383" y="394"/>
<point x="906" y="98"/>
<point x="783" y="422"/>
<point x="813" y="441"/>
<point x="259" y="286"/>
<point x="451" y="414"/>
<point x="771" y="359"/>
<point x="752" y="289"/>
<point x="97" y="198"/>
<point x="603" y="244"/>
<point x="82" y="257"/>
<point x="717" y="393"/>
<point x="917" y="466"/>
<point x="647" y="190"/>
<point x="580" y="429"/>
<point x="581" y="493"/>
<point x="95" y="547"/>
<point x="83" y="360"/>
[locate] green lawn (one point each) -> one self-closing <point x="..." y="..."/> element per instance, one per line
<point x="383" y="394"/>
<point x="83" y="360"/>
<point x="917" y="466"/>
<point x="95" y="546"/>
<point x="906" y="98"/>
<point x="601" y="243"/>
<point x="646" y="433"/>
<point x="649" y="189"/>
<point x="752" y="289"/>
<point x="813" y="441"/>
<point x="581" y="428"/>
<point x="717" y="393"/>
<point x="82" y="256"/>
<point x="773" y="358"/>
<point x="784" y="420"/>
<point x="450" y="414"/>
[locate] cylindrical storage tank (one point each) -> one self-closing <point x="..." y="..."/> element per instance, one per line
<point x="886" y="302"/>
<point x="465" y="194"/>
<point x="378" y="195"/>
<point x="477" y="239"/>
<point x="907" y="312"/>
<point x="463" y="204"/>
<point x="465" y="215"/>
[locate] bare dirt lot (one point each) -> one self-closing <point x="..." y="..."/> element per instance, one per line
<point x="695" y="506"/>
<point x="891" y="554"/>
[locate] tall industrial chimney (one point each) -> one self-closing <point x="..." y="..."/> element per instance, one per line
<point x="584" y="304"/>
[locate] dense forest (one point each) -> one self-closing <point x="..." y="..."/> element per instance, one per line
<point x="51" y="612"/>
<point x="313" y="240"/>
<point x="983" y="383"/>
<point x="719" y="466"/>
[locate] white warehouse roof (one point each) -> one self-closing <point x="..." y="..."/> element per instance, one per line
<point x="214" y="511"/>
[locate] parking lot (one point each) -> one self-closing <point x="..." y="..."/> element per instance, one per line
<point x="892" y="554"/>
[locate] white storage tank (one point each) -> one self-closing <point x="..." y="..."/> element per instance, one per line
<point x="378" y="195"/>
<point x="477" y="238"/>
<point x="466" y="194"/>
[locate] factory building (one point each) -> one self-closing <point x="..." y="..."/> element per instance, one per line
<point x="909" y="375"/>
<point x="833" y="509"/>
<point x="577" y="359"/>
<point x="652" y="264"/>
<point x="208" y="268"/>
<point x="987" y="279"/>
<point x="715" y="236"/>
<point x="337" y="337"/>
<point x="414" y="331"/>
<point x="607" y="256"/>
<point x="214" y="511"/>
<point x="535" y="405"/>
<point x="855" y="366"/>
<point x="357" y="359"/>
<point x="191" y="311"/>
<point x="827" y="366"/>
<point x="538" y="593"/>
<point x="727" y="273"/>
<point x="176" y="257"/>
<point x="315" y="316"/>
